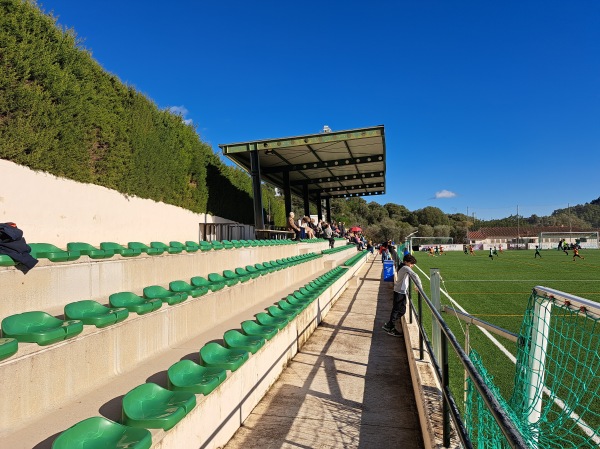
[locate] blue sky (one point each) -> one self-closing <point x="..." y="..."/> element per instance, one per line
<point x="486" y="105"/>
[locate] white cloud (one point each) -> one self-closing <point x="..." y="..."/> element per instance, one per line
<point x="179" y="110"/>
<point x="444" y="194"/>
<point x="182" y="112"/>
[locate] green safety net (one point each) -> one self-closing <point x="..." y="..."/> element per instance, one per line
<point x="555" y="401"/>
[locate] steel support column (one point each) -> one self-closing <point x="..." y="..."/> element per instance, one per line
<point x="287" y="194"/>
<point x="319" y="207"/>
<point x="306" y="202"/>
<point x="328" y="209"/>
<point x="259" y="221"/>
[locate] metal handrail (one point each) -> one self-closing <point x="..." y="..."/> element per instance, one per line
<point x="512" y="434"/>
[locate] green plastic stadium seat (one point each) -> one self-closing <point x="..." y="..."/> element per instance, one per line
<point x="269" y="320"/>
<point x="85" y="249"/>
<point x="289" y="307"/>
<point x="158" y="292"/>
<point x="253" y="328"/>
<point x="280" y="313"/>
<point x="216" y="356"/>
<point x="262" y="269"/>
<point x="39" y="327"/>
<point x="8" y="347"/>
<point x="189" y="376"/>
<point x="304" y="302"/>
<point x="119" y="249"/>
<point x="145" y="248"/>
<point x="6" y="261"/>
<point x="236" y="340"/>
<point x="153" y="407"/>
<point x="205" y="246"/>
<point x="216" y="278"/>
<point x="242" y="274"/>
<point x="134" y="303"/>
<point x="217" y="245"/>
<point x="191" y="247"/>
<point x="52" y="253"/>
<point x="93" y="313"/>
<point x="227" y="244"/>
<point x="101" y="433"/>
<point x="164" y="247"/>
<point x="253" y="271"/>
<point x="237" y="243"/>
<point x="184" y="287"/>
<point x="199" y="282"/>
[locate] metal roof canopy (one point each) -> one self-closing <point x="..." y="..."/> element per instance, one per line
<point x="327" y="165"/>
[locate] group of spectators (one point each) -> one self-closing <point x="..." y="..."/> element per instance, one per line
<point x="309" y="228"/>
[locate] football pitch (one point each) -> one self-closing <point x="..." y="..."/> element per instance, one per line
<point x="497" y="291"/>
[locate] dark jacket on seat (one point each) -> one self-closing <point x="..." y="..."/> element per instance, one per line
<point x="13" y="244"/>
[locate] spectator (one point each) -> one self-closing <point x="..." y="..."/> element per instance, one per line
<point x="328" y="234"/>
<point x="291" y="226"/>
<point x="307" y="229"/>
<point x="401" y="285"/>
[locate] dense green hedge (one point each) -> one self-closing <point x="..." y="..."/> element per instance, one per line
<point x="60" y="112"/>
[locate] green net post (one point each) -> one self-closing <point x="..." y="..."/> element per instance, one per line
<point x="540" y="327"/>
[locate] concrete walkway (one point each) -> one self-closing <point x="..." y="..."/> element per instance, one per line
<point x="349" y="386"/>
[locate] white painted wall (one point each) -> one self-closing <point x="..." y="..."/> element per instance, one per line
<point x="55" y="210"/>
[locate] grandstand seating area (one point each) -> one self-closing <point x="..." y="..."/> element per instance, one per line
<point x="91" y="326"/>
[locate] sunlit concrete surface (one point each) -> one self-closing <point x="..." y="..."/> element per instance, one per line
<point x="349" y="386"/>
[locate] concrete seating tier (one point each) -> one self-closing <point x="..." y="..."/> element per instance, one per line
<point x="108" y="249"/>
<point x="97" y="355"/>
<point x="151" y="406"/>
<point x="50" y="286"/>
<point x="337" y="249"/>
<point x="356" y="258"/>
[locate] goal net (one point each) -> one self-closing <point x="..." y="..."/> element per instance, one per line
<point x="423" y="243"/>
<point x="556" y="395"/>
<point x="585" y="239"/>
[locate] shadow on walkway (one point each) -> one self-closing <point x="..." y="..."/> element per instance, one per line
<point x="348" y="387"/>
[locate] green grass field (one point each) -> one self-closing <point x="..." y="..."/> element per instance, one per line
<point x="498" y="291"/>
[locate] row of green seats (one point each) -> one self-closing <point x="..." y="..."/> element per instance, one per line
<point x="108" y="249"/>
<point x="150" y="406"/>
<point x="354" y="259"/>
<point x="337" y="249"/>
<point x="44" y="329"/>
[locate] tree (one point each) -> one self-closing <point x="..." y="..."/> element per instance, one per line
<point x="377" y="213"/>
<point x="397" y="211"/>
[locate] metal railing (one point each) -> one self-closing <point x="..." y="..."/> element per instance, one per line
<point x="446" y="338"/>
<point x="225" y="231"/>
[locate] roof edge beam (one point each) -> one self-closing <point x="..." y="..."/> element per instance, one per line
<point x="326" y="164"/>
<point x="323" y="179"/>
<point x="311" y="139"/>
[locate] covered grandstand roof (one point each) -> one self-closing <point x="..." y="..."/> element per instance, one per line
<point x="328" y="165"/>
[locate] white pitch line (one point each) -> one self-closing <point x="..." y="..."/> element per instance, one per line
<point x="574" y="416"/>
<point x="523" y="280"/>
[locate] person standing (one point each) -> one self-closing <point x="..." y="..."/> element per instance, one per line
<point x="491" y="253"/>
<point x="401" y="285"/>
<point x="537" y="252"/>
<point x="292" y="226"/>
